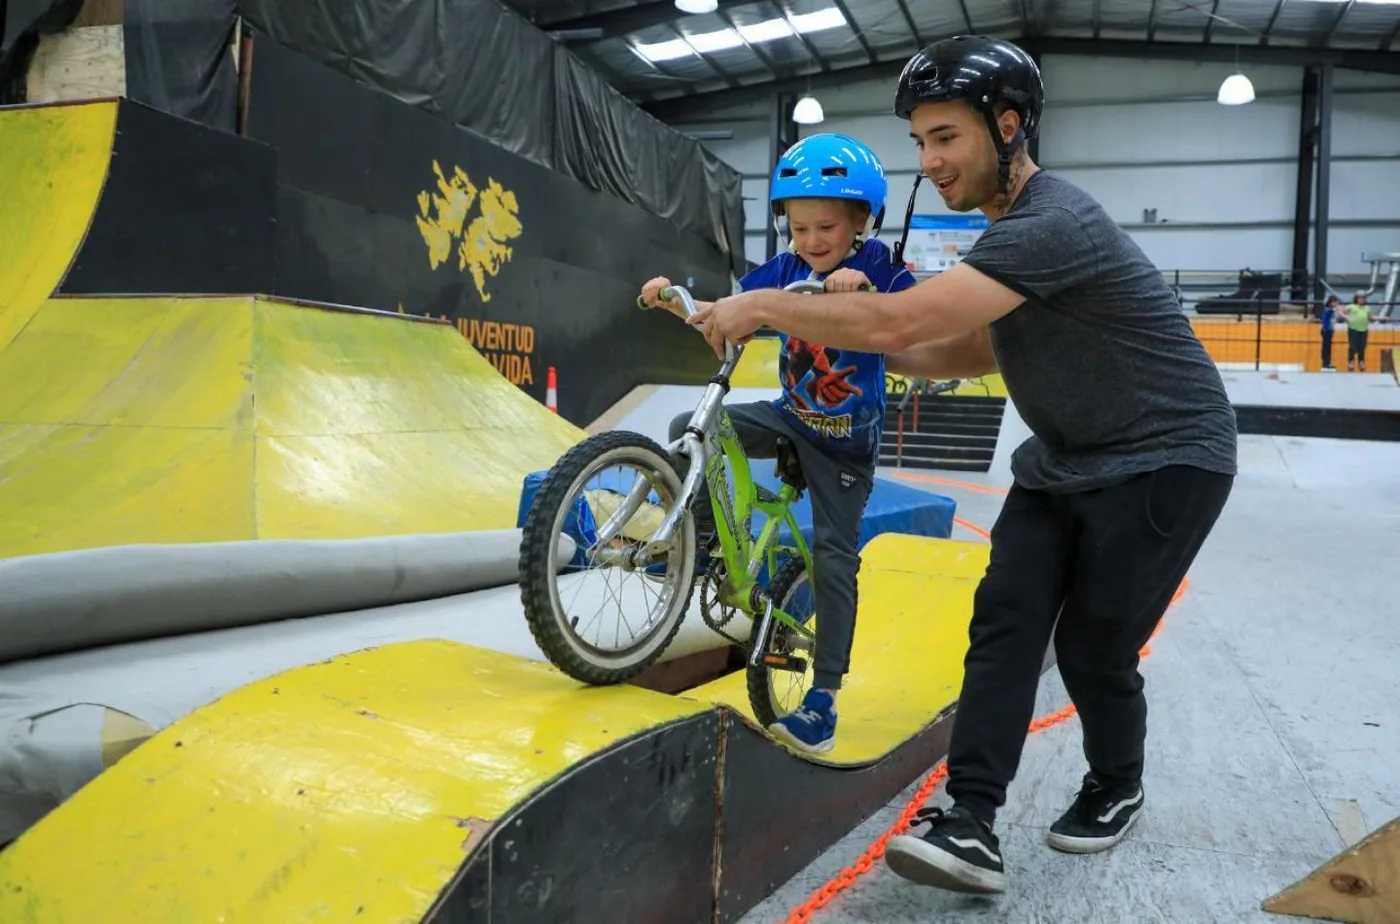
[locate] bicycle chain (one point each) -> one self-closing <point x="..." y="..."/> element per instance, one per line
<point x="714" y="576"/>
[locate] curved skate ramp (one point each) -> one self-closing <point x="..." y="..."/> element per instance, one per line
<point x="101" y="658"/>
<point x="432" y="780"/>
<point x="53" y="164"/>
<point x="222" y="419"/>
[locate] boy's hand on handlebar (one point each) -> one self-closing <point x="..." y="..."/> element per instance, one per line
<point x="847" y="280"/>
<point x="651" y="292"/>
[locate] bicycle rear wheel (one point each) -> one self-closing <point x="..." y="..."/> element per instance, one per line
<point x="575" y="499"/>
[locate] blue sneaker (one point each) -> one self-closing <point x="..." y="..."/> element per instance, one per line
<point x="812" y="727"/>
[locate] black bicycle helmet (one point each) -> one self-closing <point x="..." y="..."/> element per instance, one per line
<point x="983" y="71"/>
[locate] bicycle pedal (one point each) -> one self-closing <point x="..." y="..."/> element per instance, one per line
<point x="784" y="662"/>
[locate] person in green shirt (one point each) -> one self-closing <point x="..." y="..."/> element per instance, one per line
<point x="1358" y="324"/>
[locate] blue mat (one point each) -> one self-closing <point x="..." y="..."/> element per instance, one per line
<point x="892" y="508"/>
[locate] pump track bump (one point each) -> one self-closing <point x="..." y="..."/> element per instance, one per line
<point x="437" y="781"/>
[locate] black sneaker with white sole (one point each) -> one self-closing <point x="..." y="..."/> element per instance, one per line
<point x="957" y="852"/>
<point x="1099" y="817"/>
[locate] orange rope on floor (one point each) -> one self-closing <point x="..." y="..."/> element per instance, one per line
<point x="974" y="527"/>
<point x="866" y="861"/>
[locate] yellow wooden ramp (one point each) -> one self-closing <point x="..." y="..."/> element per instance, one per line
<point x="340" y="791"/>
<point x="430" y="777"/>
<point x="53" y="165"/>
<point x="166" y="420"/>
<point x="911" y="636"/>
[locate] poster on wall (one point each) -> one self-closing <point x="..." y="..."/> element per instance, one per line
<point x="938" y="242"/>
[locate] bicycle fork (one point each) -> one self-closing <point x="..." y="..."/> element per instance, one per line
<point x="660" y="541"/>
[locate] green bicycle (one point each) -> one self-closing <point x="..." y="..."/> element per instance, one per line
<point x="644" y="526"/>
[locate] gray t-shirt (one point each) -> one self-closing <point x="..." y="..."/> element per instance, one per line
<point x="1100" y="361"/>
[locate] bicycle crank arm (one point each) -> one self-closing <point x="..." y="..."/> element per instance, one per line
<point x="760" y="637"/>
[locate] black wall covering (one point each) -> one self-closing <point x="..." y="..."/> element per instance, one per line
<point x="18" y="17"/>
<point x="21" y="24"/>
<point x="184" y="208"/>
<point x="382" y="205"/>
<point x="179" y="58"/>
<point x="479" y="65"/>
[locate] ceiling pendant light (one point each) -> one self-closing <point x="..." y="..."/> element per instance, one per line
<point x="1235" y="90"/>
<point x="697" y="6"/>
<point x="807" y="111"/>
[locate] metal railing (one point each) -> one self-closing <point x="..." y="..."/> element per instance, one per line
<point x="910" y="391"/>
<point x="1272" y="320"/>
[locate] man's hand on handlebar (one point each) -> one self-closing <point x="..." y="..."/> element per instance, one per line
<point x="735" y="319"/>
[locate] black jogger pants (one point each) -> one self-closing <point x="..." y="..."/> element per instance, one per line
<point x="1107" y="564"/>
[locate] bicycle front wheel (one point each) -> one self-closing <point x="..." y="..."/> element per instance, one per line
<point x="567" y="611"/>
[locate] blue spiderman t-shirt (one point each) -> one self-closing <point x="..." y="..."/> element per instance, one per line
<point x="835" y="396"/>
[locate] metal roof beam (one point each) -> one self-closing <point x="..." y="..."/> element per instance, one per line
<point x="694" y="107"/>
<point x="1381" y="62"/>
<point x="845" y="11"/>
<point x="632" y="18"/>
<point x="1269" y="29"/>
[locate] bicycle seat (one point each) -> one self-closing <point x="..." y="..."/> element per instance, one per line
<point x="789" y="469"/>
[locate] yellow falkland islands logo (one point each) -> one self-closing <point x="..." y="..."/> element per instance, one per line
<point x="481" y="249"/>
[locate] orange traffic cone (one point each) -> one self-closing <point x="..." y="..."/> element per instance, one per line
<point x="551" y="391"/>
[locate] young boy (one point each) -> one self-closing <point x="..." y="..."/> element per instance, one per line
<point x="832" y="406"/>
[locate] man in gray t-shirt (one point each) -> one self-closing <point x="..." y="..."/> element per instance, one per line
<point x="1130" y="463"/>
<point x="1100" y="361"/>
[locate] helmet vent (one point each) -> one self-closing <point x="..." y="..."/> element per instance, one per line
<point x="834" y="171"/>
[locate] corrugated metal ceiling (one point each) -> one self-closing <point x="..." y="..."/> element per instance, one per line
<point x="652" y="51"/>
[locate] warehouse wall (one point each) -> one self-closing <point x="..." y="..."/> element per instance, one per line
<point x="1145" y="135"/>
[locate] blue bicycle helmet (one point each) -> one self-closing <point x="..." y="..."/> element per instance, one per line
<point x="830" y="166"/>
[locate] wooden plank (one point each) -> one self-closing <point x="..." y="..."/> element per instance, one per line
<point x="1361" y="885"/>
<point x="81" y="63"/>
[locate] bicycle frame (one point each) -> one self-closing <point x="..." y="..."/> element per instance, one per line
<point x="708" y="441"/>
<point x="744" y="555"/>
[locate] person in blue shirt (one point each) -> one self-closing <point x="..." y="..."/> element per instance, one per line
<point x="831" y="188"/>
<point x="1329" y="319"/>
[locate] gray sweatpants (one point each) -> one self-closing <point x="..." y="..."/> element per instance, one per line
<point x="839" y="488"/>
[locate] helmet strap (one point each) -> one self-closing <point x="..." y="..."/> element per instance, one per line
<point x="897" y="257"/>
<point x="1004" y="151"/>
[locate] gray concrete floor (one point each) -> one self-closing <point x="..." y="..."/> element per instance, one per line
<point x="1272" y="738"/>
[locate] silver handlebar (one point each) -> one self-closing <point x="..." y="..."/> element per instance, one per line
<point x="686" y="299"/>
<point x="805" y="286"/>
